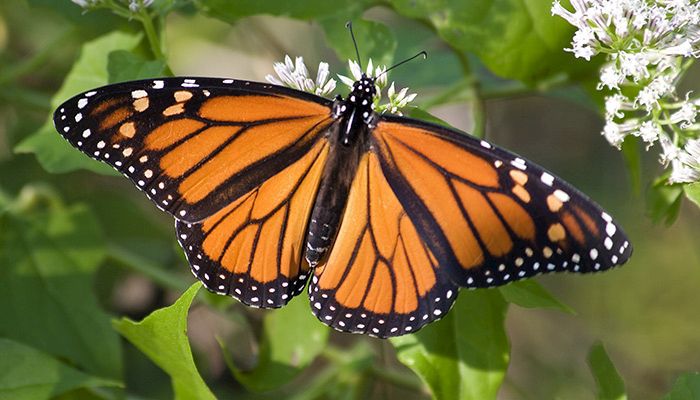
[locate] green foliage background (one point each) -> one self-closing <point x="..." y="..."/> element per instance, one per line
<point x="83" y="256"/>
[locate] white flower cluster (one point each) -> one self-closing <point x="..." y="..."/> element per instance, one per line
<point x="649" y="45"/>
<point x="294" y="74"/>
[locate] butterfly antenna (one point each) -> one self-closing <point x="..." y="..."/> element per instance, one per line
<point x="354" y="42"/>
<point x="422" y="53"/>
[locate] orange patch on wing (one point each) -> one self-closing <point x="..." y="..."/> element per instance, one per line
<point x="182" y="95"/>
<point x="277" y="189"/>
<point x="556" y="232"/>
<point x="300" y="210"/>
<point x="433" y="189"/>
<point x="189" y="153"/>
<point x="515" y="215"/>
<point x="115" y="117"/>
<point x="406" y="300"/>
<point x="492" y="232"/>
<point x="248" y="108"/>
<point x="380" y="296"/>
<point x="450" y="156"/>
<point x="128" y="129"/>
<point x="175" y="109"/>
<point x="171" y="132"/>
<point x="553" y="203"/>
<point x="349" y="233"/>
<point x="573" y="227"/>
<point x="265" y="262"/>
<point x="518" y="177"/>
<point x="587" y="220"/>
<point x="418" y="257"/>
<point x="237" y="258"/>
<point x="246" y="149"/>
<point x="522" y="193"/>
<point x="353" y="288"/>
<point x="141" y="104"/>
<point x="384" y="209"/>
<point x="104" y="106"/>
<point x="221" y="226"/>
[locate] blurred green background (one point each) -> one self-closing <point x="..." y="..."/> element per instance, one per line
<point x="646" y="313"/>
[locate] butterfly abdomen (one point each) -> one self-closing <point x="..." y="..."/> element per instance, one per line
<point x="332" y="195"/>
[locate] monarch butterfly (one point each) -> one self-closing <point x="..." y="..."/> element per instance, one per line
<point x="388" y="215"/>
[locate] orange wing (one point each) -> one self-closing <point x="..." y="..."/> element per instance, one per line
<point x="252" y="249"/>
<point x="380" y="278"/>
<point x="488" y="216"/>
<point x="194" y="145"/>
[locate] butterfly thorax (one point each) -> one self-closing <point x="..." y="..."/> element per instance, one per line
<point x="356" y="111"/>
<point x="348" y="142"/>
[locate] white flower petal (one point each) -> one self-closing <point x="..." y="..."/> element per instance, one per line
<point x="348" y="81"/>
<point x="355" y="70"/>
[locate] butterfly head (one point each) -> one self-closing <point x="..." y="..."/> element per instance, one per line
<point x="357" y="110"/>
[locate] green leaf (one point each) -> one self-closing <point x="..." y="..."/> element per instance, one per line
<point x="163" y="7"/>
<point x="231" y="10"/>
<point x="162" y="336"/>
<point x="48" y="260"/>
<point x="610" y="384"/>
<point x="664" y="200"/>
<point x="90" y="71"/>
<point x="90" y="24"/>
<point x="31" y="374"/>
<point x="292" y="339"/>
<point x="511" y="37"/>
<point x="375" y="39"/>
<point x="686" y="387"/>
<point x="123" y="66"/>
<point x="465" y="355"/>
<point x="530" y="294"/>
<point x="421" y="114"/>
<point x="692" y="192"/>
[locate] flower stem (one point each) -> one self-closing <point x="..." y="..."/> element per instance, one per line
<point x="151" y="34"/>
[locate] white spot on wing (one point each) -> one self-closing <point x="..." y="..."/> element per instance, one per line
<point x="547" y="179"/>
<point x="137" y="94"/>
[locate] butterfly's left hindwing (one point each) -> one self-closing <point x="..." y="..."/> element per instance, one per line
<point x="193" y="145"/>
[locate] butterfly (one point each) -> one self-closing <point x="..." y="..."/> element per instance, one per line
<point x="384" y="217"/>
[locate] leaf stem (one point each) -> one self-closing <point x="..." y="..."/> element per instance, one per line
<point x="397" y="379"/>
<point x="142" y="265"/>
